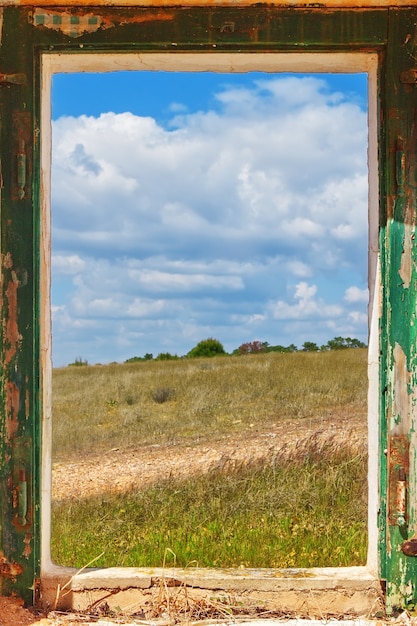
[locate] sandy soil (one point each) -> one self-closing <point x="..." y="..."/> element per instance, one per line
<point x="120" y="470"/>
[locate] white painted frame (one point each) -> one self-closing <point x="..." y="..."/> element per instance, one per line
<point x="328" y="62"/>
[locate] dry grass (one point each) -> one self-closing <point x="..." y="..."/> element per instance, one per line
<point x="302" y="506"/>
<point x="123" y="405"/>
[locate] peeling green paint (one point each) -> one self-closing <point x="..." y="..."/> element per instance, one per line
<point x="398" y="323"/>
<point x="389" y="32"/>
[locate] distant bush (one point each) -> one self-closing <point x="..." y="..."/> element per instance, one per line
<point x="253" y="347"/>
<point x="291" y="348"/>
<point x="340" y="343"/>
<point x="135" y="359"/>
<point x="78" y="361"/>
<point x="166" y="356"/>
<point x="310" y="346"/>
<point x="162" y="394"/>
<point x="207" y="348"/>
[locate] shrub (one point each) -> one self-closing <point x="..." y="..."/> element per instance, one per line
<point x="162" y="394"/>
<point x="253" y="347"/>
<point x="340" y="343"/>
<point x="291" y="348"/>
<point x="207" y="348"/>
<point x="78" y="362"/>
<point x="166" y="356"/>
<point x="135" y="359"/>
<point x="310" y="346"/>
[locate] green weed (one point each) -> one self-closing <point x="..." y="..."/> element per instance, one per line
<point x="304" y="509"/>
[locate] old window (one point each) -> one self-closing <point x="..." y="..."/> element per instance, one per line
<point x="226" y="63"/>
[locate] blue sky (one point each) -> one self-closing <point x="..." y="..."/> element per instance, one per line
<point x="188" y="206"/>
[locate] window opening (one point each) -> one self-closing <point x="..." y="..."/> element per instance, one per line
<point x="150" y="239"/>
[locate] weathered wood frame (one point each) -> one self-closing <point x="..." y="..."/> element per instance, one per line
<point x="386" y="34"/>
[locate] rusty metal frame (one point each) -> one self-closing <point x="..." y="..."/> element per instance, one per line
<point x="388" y="33"/>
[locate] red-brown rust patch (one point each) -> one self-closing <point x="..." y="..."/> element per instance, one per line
<point x="27" y="398"/>
<point x="12" y="338"/>
<point x="409" y="547"/>
<point x="12" y="404"/>
<point x="15" y="495"/>
<point x="11" y="341"/>
<point x="9" y="570"/>
<point x="140" y="18"/>
<point x="398" y="472"/>
<point x="27" y="549"/>
<point x="344" y="4"/>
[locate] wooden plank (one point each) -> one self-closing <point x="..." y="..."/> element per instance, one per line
<point x="339" y="4"/>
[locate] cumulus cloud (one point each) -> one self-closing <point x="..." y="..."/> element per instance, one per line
<point x="298" y="268"/>
<point x="354" y="294"/>
<point x="307" y="306"/>
<point x="201" y="227"/>
<point x="67" y="264"/>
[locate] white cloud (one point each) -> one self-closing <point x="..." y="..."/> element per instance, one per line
<point x="202" y="226"/>
<point x="355" y="294"/>
<point x="69" y="264"/>
<point x="300" y="269"/>
<point x="163" y="281"/>
<point x="145" y="308"/>
<point x="304" y="291"/>
<point x="302" y="227"/>
<point x="306" y="307"/>
<point x="358" y="318"/>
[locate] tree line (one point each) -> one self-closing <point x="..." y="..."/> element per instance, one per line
<point x="213" y="347"/>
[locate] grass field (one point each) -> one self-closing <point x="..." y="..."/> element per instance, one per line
<point x="101" y="407"/>
<point x="305" y="507"/>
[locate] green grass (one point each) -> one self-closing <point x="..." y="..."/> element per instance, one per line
<point x="303" y="510"/>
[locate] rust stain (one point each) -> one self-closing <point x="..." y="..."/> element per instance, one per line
<point x="139" y="18"/>
<point x="77" y="24"/>
<point x="27" y="551"/>
<point x="398" y="476"/>
<point x="12" y="404"/>
<point x="13" y="79"/>
<point x="11" y="341"/>
<point x="242" y="3"/>
<point x="15" y="495"/>
<point x="9" y="570"/>
<point x="13" y="337"/>
<point x="409" y="547"/>
<point x="27" y="398"/>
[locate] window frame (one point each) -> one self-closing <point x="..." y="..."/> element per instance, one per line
<point x="385" y="34"/>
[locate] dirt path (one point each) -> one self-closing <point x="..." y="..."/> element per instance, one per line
<point x="120" y="470"/>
